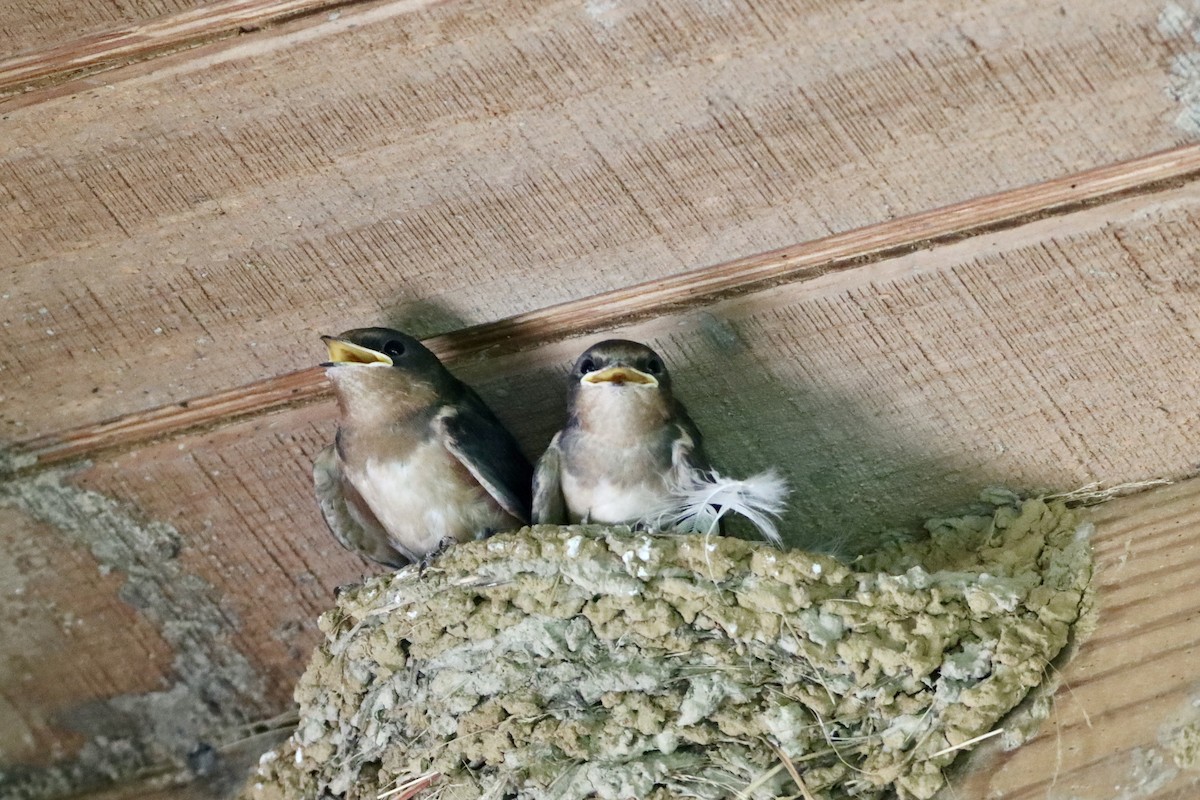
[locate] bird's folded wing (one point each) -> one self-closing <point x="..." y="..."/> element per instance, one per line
<point x="484" y="446"/>
<point x="549" y="506"/>
<point x="347" y="514"/>
<point x="687" y="449"/>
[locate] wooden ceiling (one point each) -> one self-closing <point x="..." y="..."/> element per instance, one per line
<point x="900" y="251"/>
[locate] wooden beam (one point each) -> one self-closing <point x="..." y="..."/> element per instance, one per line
<point x="189" y="225"/>
<point x="153" y="37"/>
<point x="625" y="306"/>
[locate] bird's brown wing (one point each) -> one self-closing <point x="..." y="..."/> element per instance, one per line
<point x="481" y="443"/>
<point x="687" y="445"/>
<point x="687" y="453"/>
<point x="347" y="514"/>
<point x="549" y="506"/>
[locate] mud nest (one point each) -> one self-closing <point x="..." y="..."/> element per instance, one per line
<point x="583" y="661"/>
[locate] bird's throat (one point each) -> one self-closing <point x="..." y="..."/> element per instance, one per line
<point x="628" y="412"/>
<point x="374" y="400"/>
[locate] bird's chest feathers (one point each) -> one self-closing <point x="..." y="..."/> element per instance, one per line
<point x="619" y="459"/>
<point x="613" y="501"/>
<point x="425" y="495"/>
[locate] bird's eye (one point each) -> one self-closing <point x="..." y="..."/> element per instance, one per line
<point x="394" y="348"/>
<point x="654" y="366"/>
<point x="587" y="365"/>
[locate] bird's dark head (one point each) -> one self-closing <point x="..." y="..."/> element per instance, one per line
<point x="384" y="365"/>
<point x="379" y="347"/>
<point x="620" y="368"/>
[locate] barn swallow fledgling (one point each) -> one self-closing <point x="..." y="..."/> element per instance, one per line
<point x="627" y="441"/>
<point x="419" y="460"/>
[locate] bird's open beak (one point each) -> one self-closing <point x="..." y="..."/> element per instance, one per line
<point x="620" y="376"/>
<point x="343" y="352"/>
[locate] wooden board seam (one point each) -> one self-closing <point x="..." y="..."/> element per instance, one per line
<point x="168" y="34"/>
<point x="696" y="288"/>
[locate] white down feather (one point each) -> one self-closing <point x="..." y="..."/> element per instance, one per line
<point x="701" y="498"/>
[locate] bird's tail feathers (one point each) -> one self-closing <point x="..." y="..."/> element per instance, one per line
<point x="702" y="497"/>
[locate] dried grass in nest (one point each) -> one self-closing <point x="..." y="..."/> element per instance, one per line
<point x="580" y="662"/>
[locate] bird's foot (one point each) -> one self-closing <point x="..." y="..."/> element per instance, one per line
<point x="432" y="555"/>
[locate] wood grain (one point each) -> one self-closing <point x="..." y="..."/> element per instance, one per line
<point x="38" y="25"/>
<point x="140" y="636"/>
<point x="56" y="62"/>
<point x="951" y="290"/>
<point x="174" y="232"/>
<point x="1048" y="355"/>
<point x="57" y="603"/>
<point x="690" y="289"/>
<point x="1133" y="685"/>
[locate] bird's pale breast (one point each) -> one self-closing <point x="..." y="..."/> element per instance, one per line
<point x="614" y="482"/>
<point x="425" y="498"/>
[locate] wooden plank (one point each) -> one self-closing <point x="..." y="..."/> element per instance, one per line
<point x="58" y="603"/>
<point x="170" y="33"/>
<point x="606" y="310"/>
<point x="49" y="42"/>
<point x="1115" y="725"/>
<point x="141" y="638"/>
<point x="1047" y="355"/>
<point x="191" y="228"/>
<point x="225" y="777"/>
<point x="40" y="24"/>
